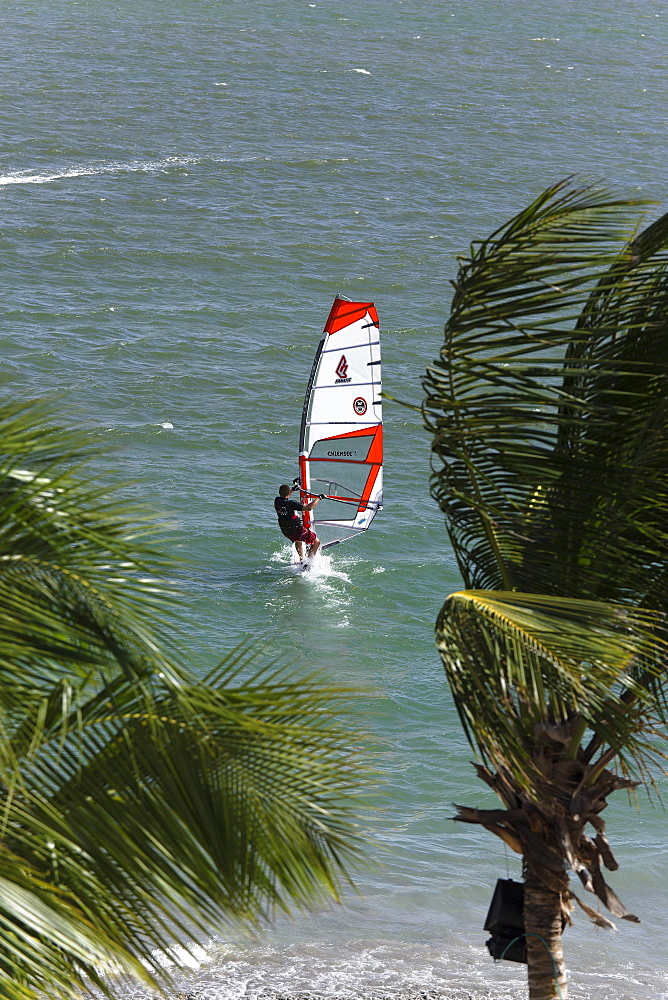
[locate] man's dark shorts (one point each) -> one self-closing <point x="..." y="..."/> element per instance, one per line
<point x="305" y="535"/>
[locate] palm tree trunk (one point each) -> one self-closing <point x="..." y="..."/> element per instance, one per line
<point x="543" y="926"/>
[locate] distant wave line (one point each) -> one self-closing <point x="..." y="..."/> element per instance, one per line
<point x="144" y="166"/>
<point x="137" y="166"/>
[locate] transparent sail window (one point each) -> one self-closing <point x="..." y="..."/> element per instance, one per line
<point x="344" y="449"/>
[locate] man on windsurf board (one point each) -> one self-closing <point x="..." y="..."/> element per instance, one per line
<point x="291" y="524"/>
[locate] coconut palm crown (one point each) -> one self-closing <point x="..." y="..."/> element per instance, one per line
<point x="548" y="410"/>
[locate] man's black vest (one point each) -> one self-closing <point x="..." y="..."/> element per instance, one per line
<point x="289" y="520"/>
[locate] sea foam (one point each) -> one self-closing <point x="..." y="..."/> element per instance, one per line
<point x="92" y="170"/>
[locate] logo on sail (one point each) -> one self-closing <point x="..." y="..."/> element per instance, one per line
<point x="342" y="370"/>
<point x="359" y="406"/>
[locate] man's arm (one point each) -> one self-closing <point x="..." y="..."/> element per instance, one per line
<point x="308" y="506"/>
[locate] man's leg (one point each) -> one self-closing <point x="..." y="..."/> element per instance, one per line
<point x="312" y="549"/>
<point x="300" y="549"/>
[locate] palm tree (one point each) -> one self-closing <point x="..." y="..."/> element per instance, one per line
<point x="548" y="411"/>
<point x="140" y="805"/>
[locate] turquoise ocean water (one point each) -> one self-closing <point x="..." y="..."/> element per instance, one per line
<point x="184" y="187"/>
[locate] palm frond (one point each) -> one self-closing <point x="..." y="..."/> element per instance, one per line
<point x="48" y="937"/>
<point x="517" y="663"/>
<point x="78" y="568"/>
<point x="548" y="404"/>
<point x="191" y="805"/>
<point x="137" y="802"/>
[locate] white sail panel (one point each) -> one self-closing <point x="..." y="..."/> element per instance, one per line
<point x="341" y="444"/>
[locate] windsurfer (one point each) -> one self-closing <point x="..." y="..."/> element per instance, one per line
<point x="290" y="522"/>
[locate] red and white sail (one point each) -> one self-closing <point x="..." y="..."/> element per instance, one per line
<point x="341" y="441"/>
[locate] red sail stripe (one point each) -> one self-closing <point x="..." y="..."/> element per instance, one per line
<point x="369" y="486"/>
<point x="344" y="313"/>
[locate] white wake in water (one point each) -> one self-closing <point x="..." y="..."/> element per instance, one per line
<point x="316" y="571"/>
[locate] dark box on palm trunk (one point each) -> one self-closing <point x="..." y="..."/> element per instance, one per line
<point x="505" y="921"/>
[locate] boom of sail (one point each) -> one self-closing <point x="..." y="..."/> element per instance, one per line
<point x="341" y="440"/>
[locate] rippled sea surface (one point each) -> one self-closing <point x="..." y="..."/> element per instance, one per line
<point x="184" y="187"/>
